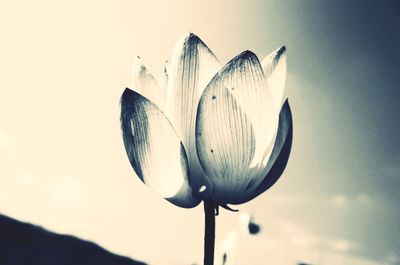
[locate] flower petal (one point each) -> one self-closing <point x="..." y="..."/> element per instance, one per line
<point x="235" y="128"/>
<point x="191" y="68"/>
<point x="154" y="149"/>
<point x="279" y="156"/>
<point x="274" y="66"/>
<point x="164" y="80"/>
<point x="144" y="83"/>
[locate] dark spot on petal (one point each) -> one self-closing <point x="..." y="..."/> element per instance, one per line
<point x="213" y="97"/>
<point x="212" y="151"/>
<point x="232" y="88"/>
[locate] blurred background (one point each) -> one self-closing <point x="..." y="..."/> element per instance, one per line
<point x="64" y="65"/>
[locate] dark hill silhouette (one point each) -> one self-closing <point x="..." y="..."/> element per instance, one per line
<point x="27" y="244"/>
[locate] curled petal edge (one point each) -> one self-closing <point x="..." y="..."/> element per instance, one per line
<point x="140" y="119"/>
<point x="279" y="156"/>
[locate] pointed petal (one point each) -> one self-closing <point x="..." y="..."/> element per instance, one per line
<point x="235" y="128"/>
<point x="274" y="66"/>
<point x="144" y="83"/>
<point x="154" y="149"/>
<point x="191" y="68"/>
<point x="164" y="80"/>
<point x="279" y="156"/>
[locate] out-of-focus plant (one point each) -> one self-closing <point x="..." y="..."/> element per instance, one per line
<point x="246" y="227"/>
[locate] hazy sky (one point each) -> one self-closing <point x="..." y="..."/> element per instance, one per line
<point x="64" y="65"/>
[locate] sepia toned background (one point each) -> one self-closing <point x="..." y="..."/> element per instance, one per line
<point x="64" y="65"/>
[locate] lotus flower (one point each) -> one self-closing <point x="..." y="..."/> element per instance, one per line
<point x="207" y="132"/>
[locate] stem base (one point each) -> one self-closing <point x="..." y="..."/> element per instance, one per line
<point x="209" y="232"/>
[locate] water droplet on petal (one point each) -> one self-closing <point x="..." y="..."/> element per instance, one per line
<point x="202" y="188"/>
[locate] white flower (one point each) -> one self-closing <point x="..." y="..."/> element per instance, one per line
<point x="208" y="132"/>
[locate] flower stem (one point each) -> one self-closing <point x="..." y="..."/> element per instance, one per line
<point x="209" y="232"/>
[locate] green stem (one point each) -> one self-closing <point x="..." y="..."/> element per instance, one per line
<point x="209" y="232"/>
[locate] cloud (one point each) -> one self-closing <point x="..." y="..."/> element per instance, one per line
<point x="300" y="237"/>
<point x="392" y="168"/>
<point x="392" y="259"/>
<point x="286" y="199"/>
<point x="364" y="199"/>
<point x="391" y="173"/>
<point x="341" y="245"/>
<point x="360" y="199"/>
<point x="294" y="245"/>
<point x="337" y="200"/>
<point x="340" y="200"/>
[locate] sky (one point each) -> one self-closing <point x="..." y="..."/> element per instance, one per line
<point x="65" y="64"/>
